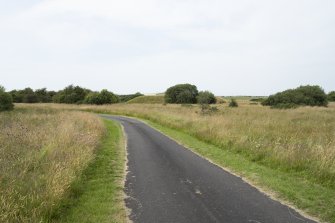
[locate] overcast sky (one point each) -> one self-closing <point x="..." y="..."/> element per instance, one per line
<point x="232" y="47"/>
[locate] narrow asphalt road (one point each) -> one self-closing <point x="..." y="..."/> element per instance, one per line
<point x="168" y="183"/>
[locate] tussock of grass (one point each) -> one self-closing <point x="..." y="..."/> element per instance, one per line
<point x="41" y="153"/>
<point x="97" y="196"/>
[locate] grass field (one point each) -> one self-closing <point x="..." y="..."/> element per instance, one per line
<point x="300" y="139"/>
<point x="43" y="154"/>
<point x="298" y="142"/>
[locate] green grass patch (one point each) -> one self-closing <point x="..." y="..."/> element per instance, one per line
<point x="97" y="196"/>
<point x="315" y="199"/>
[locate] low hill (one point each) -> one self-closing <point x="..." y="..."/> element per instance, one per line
<point x="152" y="99"/>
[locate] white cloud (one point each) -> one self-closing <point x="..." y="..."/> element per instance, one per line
<point x="210" y="43"/>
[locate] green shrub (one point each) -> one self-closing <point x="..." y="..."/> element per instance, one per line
<point x="206" y="97"/>
<point x="206" y="109"/>
<point x="104" y="97"/>
<point x="6" y="100"/>
<point x="301" y="96"/>
<point x="233" y="103"/>
<point x="44" y="96"/>
<point x="331" y="96"/>
<point x="17" y="96"/>
<point x="285" y="106"/>
<point x="181" y="94"/>
<point x="71" y="95"/>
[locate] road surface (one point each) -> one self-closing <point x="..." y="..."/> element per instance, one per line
<point x="168" y="183"/>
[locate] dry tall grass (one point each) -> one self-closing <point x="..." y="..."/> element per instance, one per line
<point x="300" y="139"/>
<point x="41" y="153"/>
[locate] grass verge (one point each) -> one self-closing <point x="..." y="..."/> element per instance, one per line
<point x="97" y="196"/>
<point x="42" y="151"/>
<point x="289" y="187"/>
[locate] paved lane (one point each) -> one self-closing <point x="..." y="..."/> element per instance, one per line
<point x="168" y="183"/>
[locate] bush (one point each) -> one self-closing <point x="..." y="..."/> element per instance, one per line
<point x="301" y="96"/>
<point x="28" y="95"/>
<point x="331" y="96"/>
<point x="44" y="96"/>
<point x="71" y="95"/>
<point x="6" y="100"/>
<point x="206" y="97"/>
<point x="104" y="97"/>
<point x="233" y="103"/>
<point x="206" y="109"/>
<point x="181" y="94"/>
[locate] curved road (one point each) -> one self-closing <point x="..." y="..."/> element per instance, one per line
<point x="168" y="183"/>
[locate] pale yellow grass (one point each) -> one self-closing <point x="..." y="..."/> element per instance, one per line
<point x="301" y="139"/>
<point x="41" y="153"/>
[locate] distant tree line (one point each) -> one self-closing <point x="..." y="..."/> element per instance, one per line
<point x="301" y="96"/>
<point x="69" y="95"/>
<point x="178" y="94"/>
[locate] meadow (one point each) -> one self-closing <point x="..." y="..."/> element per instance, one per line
<point x="291" y="152"/>
<point x="301" y="139"/>
<point x="42" y="152"/>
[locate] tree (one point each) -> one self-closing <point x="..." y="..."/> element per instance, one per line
<point x="301" y="96"/>
<point x="44" y="96"/>
<point x="104" y="97"/>
<point x="17" y="96"/>
<point x="28" y="96"/>
<point x="331" y="96"/>
<point x="71" y="95"/>
<point x="6" y="101"/>
<point x="181" y="94"/>
<point x="206" y="97"/>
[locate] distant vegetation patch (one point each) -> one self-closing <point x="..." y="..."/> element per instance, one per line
<point x="128" y="97"/>
<point x="233" y="103"/>
<point x="301" y="96"/>
<point x="6" y="100"/>
<point x="181" y="94"/>
<point x="206" y="97"/>
<point x="150" y="99"/>
<point x="101" y="98"/>
<point x="331" y="96"/>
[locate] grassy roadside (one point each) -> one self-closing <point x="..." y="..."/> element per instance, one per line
<point x="291" y="188"/>
<point x="42" y="151"/>
<point x="97" y="196"/>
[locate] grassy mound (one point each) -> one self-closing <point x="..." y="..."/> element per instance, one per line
<point x="154" y="99"/>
